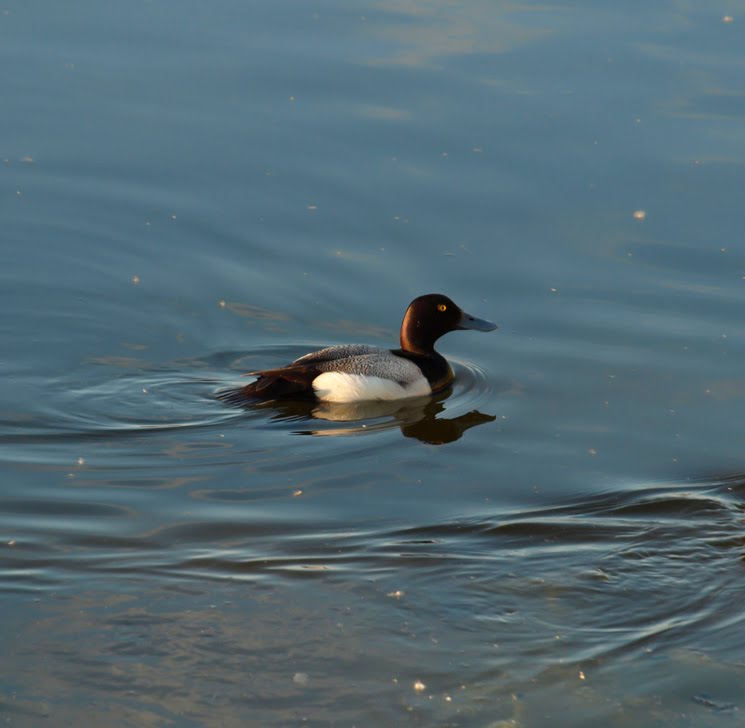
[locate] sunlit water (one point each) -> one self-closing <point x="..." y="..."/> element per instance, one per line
<point x="192" y="191"/>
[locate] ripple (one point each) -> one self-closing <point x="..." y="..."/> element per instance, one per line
<point x="150" y="401"/>
<point x="181" y="395"/>
<point x="155" y="401"/>
<point x="659" y="563"/>
<point x="607" y="574"/>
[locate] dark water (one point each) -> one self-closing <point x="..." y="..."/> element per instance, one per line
<point x="193" y="190"/>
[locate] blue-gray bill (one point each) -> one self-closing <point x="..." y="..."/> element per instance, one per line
<point x="476" y="324"/>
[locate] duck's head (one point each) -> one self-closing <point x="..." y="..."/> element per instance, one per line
<point x="429" y="317"/>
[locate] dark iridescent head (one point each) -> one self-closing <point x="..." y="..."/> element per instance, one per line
<point x="429" y="317"/>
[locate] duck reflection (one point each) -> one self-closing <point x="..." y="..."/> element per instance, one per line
<point x="416" y="418"/>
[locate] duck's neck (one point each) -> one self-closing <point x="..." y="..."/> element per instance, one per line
<point x="413" y="339"/>
<point x="433" y="366"/>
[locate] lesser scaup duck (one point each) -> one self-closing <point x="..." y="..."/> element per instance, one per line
<point x="357" y="372"/>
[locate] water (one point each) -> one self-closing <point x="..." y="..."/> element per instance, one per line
<point x="191" y="191"/>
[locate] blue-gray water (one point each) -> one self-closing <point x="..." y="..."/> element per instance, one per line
<point x="193" y="190"/>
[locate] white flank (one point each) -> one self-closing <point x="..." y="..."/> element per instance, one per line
<point x="343" y="387"/>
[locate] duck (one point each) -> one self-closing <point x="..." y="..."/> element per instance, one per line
<point x="358" y="372"/>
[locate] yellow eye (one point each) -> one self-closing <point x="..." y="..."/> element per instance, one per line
<point x="442" y="307"/>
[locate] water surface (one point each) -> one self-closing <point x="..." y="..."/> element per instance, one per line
<point x="193" y="191"/>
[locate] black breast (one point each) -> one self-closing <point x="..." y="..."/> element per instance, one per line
<point x="434" y="366"/>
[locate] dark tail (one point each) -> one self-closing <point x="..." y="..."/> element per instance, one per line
<point x="271" y="386"/>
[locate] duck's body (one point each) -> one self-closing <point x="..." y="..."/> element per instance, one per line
<point x="355" y="373"/>
<point x="358" y="372"/>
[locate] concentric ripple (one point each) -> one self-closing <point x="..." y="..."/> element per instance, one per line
<point x="182" y="395"/>
<point x="133" y="403"/>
